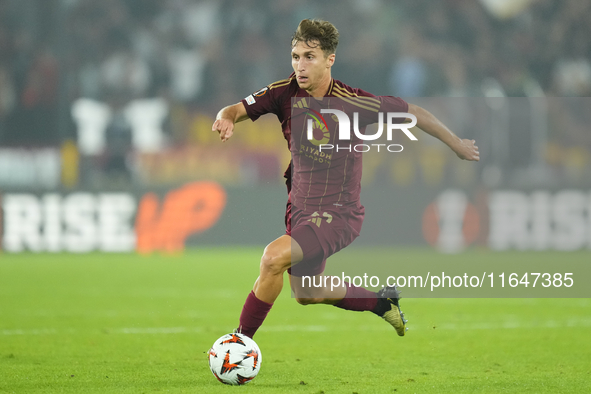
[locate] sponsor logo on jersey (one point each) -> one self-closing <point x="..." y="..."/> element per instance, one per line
<point x="250" y="100"/>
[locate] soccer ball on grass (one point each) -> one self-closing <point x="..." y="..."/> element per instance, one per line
<point x="235" y="359"/>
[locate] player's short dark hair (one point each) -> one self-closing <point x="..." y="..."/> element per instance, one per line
<point x="316" y="32"/>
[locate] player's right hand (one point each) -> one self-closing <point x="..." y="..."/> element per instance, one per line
<point x="224" y="127"/>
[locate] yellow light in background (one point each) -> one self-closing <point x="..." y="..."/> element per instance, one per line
<point x="70" y="164"/>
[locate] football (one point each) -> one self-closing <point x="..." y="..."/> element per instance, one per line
<point x="235" y="359"/>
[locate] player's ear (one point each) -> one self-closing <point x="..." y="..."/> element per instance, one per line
<point x="330" y="59"/>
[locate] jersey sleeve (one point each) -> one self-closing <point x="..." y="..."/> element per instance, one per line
<point x="262" y="102"/>
<point x="393" y="104"/>
<point x="386" y="104"/>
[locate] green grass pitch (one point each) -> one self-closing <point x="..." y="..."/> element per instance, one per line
<point x="132" y="324"/>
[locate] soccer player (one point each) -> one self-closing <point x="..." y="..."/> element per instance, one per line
<point x="323" y="212"/>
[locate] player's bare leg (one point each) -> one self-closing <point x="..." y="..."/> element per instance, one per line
<point x="283" y="253"/>
<point x="306" y="295"/>
<point x="277" y="258"/>
<point x="386" y="306"/>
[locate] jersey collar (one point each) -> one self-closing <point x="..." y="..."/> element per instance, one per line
<point x="329" y="93"/>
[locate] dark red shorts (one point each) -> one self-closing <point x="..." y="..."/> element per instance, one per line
<point x="321" y="234"/>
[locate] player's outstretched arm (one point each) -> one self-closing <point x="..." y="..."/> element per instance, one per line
<point x="426" y="121"/>
<point x="226" y="118"/>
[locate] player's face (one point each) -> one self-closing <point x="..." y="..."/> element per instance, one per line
<point x="311" y="66"/>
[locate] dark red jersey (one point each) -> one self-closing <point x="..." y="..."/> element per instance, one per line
<point x="321" y="179"/>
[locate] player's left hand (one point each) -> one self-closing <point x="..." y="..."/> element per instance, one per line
<point x="467" y="150"/>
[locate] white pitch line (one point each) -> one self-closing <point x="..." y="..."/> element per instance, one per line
<point x="38" y="331"/>
<point x="154" y="330"/>
<point x="503" y="325"/>
<point x="500" y="325"/>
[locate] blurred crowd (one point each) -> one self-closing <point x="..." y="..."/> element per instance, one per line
<point x="203" y="54"/>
